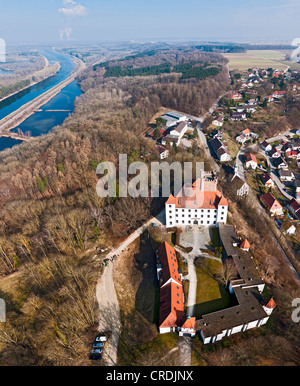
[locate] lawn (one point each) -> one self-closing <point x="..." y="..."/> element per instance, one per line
<point x="211" y="296"/>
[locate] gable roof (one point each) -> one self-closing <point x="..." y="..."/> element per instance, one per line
<point x="265" y="178"/>
<point x="166" y="256"/>
<point x="250" y="157"/>
<point x="270" y="201"/>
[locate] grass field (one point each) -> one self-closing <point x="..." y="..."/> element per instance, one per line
<point x="210" y="295"/>
<point x="260" y="59"/>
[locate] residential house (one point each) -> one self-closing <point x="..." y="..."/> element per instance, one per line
<point x="286" y="175"/>
<point x="266" y="146"/>
<point x="220" y="150"/>
<point x="279" y="163"/>
<point x="272" y="204"/>
<point x="250" y="161"/>
<point x="238" y="186"/>
<point x="267" y="180"/>
<point x="238" y="116"/>
<point x="199" y="204"/>
<point x="274" y="153"/>
<point x="294" y="208"/>
<point x="244" y="136"/>
<point x="236" y="95"/>
<point x="218" y="122"/>
<point x="162" y="151"/>
<point x="279" y="94"/>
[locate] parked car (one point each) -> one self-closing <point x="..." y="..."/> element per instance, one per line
<point x="95" y="357"/>
<point x="100" y="338"/>
<point x="96" y="351"/>
<point x="98" y="344"/>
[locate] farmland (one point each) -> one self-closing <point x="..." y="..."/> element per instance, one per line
<point x="261" y="59"/>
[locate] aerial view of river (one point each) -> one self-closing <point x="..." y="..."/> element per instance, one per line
<point x="44" y="120"/>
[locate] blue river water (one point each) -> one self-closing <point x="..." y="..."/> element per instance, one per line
<point x="43" y="121"/>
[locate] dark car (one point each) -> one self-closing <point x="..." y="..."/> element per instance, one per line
<point x="95" y="357"/>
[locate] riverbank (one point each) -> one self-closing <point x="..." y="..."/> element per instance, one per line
<point x="56" y="67"/>
<point x="18" y="116"/>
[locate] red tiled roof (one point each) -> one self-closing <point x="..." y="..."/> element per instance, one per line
<point x="246" y="131"/>
<point x="171" y="305"/>
<point x="250" y="157"/>
<point x="193" y="198"/>
<point x="166" y="255"/>
<point x="171" y="292"/>
<point x="271" y="303"/>
<point x="189" y="323"/>
<point x="245" y="244"/>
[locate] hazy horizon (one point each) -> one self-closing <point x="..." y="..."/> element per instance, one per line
<point x="141" y="20"/>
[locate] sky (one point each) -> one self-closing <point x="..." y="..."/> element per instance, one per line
<point x="49" y="21"/>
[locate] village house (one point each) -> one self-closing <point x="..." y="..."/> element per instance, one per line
<point x="271" y="204"/>
<point x="266" y="146"/>
<point x="162" y="152"/>
<point x="294" y="208"/>
<point x="220" y="150"/>
<point x="278" y="94"/>
<point x="274" y="153"/>
<point x="236" y="95"/>
<point x="250" y="161"/>
<point x="199" y="204"/>
<point x="279" y="163"/>
<point x="238" y="117"/>
<point x="245" y="136"/>
<point x="286" y="175"/>
<point x="218" y="122"/>
<point x="267" y="180"/>
<point x="238" y="186"/>
<point x="251" y="309"/>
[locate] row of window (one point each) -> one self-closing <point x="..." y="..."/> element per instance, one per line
<point x="183" y="222"/>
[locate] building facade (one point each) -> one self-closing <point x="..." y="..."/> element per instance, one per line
<point x="200" y="204"/>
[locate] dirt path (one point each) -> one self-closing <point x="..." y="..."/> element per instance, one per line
<point x="110" y="319"/>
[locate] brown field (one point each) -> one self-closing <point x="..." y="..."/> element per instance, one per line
<point x="260" y="59"/>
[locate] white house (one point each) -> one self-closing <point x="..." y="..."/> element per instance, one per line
<point x="286" y="175"/>
<point x="250" y="161"/>
<point x="220" y="150"/>
<point x="266" y="146"/>
<point x="218" y="122"/>
<point x="199" y="204"/>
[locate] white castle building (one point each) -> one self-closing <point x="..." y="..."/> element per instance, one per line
<point x="199" y="204"/>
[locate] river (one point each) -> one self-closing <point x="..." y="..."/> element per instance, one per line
<point x="43" y="121"/>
